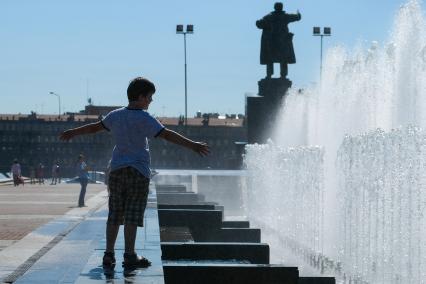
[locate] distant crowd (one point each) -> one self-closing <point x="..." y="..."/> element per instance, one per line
<point x="37" y="174"/>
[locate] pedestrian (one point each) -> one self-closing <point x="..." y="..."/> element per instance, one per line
<point x="129" y="179"/>
<point x="16" y="173"/>
<point x="40" y="173"/>
<point x="32" y="175"/>
<point x="54" y="174"/>
<point x="83" y="177"/>
<point x="58" y="172"/>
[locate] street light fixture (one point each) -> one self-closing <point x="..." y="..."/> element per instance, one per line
<point x="189" y="30"/>
<point x="59" y="101"/>
<point x="317" y="32"/>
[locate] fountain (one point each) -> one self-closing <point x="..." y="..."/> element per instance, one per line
<point x="353" y="206"/>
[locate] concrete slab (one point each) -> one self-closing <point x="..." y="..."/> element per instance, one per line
<point x="317" y="280"/>
<point x="235" y="224"/>
<point x="229" y="274"/>
<point x="254" y="253"/>
<point x="175" y="234"/>
<point x="191" y="218"/>
<point x="187" y="206"/>
<point x="179" y="198"/>
<point x="170" y="188"/>
<point x="237" y="235"/>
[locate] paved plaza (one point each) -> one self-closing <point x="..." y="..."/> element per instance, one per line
<point x="25" y="208"/>
<point x="48" y="239"/>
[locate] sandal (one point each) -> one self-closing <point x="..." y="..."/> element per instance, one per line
<point x="132" y="260"/>
<point x="108" y="260"/>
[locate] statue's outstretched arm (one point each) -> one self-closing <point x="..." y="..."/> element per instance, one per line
<point x="294" y="17"/>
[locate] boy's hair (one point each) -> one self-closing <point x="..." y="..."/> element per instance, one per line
<point x="139" y="86"/>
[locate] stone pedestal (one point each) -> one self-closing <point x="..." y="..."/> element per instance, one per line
<point x="262" y="110"/>
<point x="274" y="89"/>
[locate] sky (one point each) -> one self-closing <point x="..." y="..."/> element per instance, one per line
<point x="83" y="49"/>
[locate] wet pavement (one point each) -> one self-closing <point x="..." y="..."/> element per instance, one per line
<point x="25" y="208"/>
<point x="69" y="249"/>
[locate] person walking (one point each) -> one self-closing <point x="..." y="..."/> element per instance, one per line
<point x="40" y="173"/>
<point x="58" y="172"/>
<point x="83" y="177"/>
<point x="129" y="179"/>
<point x="16" y="173"/>
<point x="32" y="175"/>
<point x="54" y="174"/>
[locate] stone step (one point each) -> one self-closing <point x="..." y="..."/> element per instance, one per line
<point x="206" y="226"/>
<point x="187" y="206"/>
<point x="255" y="253"/>
<point x="170" y="188"/>
<point x="235" y="235"/>
<point x="235" y="224"/>
<point x="191" y="218"/>
<point x="179" y="198"/>
<point x="175" y="234"/>
<point x="317" y="280"/>
<point x="229" y="274"/>
<point x="220" y="207"/>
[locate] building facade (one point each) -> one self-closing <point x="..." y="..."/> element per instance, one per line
<point x="34" y="139"/>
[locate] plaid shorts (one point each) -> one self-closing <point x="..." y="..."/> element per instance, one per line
<point x="128" y="194"/>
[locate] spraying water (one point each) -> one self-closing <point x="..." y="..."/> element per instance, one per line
<point x="373" y="189"/>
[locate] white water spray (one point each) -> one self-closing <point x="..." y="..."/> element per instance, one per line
<point x="383" y="87"/>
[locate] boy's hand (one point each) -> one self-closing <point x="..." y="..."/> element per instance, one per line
<point x="66" y="135"/>
<point x="201" y="148"/>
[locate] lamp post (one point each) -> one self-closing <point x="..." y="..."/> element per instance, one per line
<point x="189" y="30"/>
<point x="59" y="101"/>
<point x="317" y="32"/>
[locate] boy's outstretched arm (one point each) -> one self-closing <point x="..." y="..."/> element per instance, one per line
<point x="200" y="147"/>
<point x="85" y="129"/>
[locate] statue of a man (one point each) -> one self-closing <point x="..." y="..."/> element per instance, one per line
<point x="277" y="41"/>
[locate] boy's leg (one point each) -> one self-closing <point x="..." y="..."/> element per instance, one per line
<point x="115" y="214"/>
<point x="130" y="231"/>
<point x="137" y="191"/>
<point x="108" y="261"/>
<point x="111" y="236"/>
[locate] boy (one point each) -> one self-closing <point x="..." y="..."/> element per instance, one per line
<point x="128" y="184"/>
